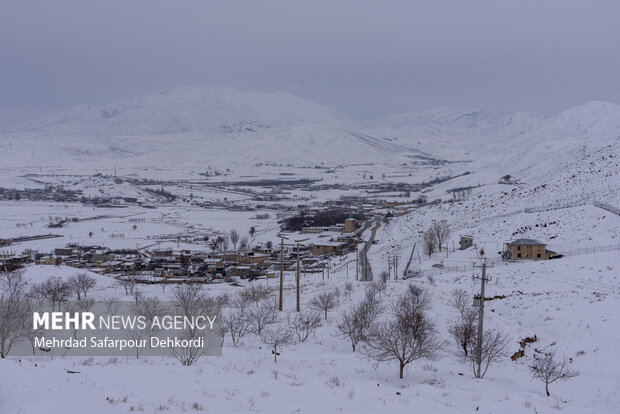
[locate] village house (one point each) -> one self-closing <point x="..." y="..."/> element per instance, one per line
<point x="329" y="247"/>
<point x="466" y="242"/>
<point x="527" y="249"/>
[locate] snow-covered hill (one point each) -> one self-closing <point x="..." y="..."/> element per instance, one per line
<point x="195" y="125"/>
<point x="224" y="127"/>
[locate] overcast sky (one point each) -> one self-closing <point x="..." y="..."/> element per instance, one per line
<point x="366" y="58"/>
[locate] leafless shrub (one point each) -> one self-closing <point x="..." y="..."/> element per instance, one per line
<point x="277" y="337"/>
<point x="263" y="315"/>
<point x="81" y="284"/>
<point x="375" y="288"/>
<point x="128" y="282"/>
<point x="303" y="324"/>
<point x="384" y="276"/>
<point x="325" y="302"/>
<point x="460" y="300"/>
<point x="79" y="306"/>
<point x="15" y="311"/>
<point x="357" y="322"/>
<point x="189" y="301"/>
<point x="348" y="289"/>
<point x="255" y="293"/>
<point x="429" y="243"/>
<point x="440" y="230"/>
<point x="234" y="238"/>
<point x="237" y="321"/>
<point x="335" y="382"/>
<point x="465" y="329"/>
<point x="407" y="336"/>
<point x="494" y="346"/>
<point x="151" y="308"/>
<point x="464" y="332"/>
<point x="54" y="289"/>
<point x="549" y="370"/>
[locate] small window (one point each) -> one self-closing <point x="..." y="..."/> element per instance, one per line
<point x="518" y="254"/>
<point x="538" y="255"/>
<point x="519" y="248"/>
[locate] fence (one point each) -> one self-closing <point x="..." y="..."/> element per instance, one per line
<point x="607" y="207"/>
<point x="591" y="250"/>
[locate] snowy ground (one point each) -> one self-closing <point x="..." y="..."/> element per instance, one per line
<point x="560" y="168"/>
<point x="568" y="303"/>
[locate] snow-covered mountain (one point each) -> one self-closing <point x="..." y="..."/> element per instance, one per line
<point x="195" y="125"/>
<point x="227" y="127"/>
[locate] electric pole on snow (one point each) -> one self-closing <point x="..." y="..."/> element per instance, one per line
<point x="357" y="265"/>
<point x="298" y="307"/>
<point x="479" y="301"/>
<point x="281" y="272"/>
<point x="395" y="267"/>
<point x="297" y="269"/>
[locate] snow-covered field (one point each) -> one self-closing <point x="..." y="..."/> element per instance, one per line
<point x="560" y="169"/>
<point x="569" y="304"/>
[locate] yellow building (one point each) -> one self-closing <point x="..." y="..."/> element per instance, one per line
<point x="527" y="249"/>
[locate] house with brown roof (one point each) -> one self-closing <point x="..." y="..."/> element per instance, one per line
<point x="527" y="249"/>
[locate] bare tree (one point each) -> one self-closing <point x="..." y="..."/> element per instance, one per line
<point x="549" y="370"/>
<point x="189" y="301"/>
<point x="237" y="321"/>
<point x="225" y="243"/>
<point x="465" y="329"/>
<point x="234" y="238"/>
<point x="15" y="312"/>
<point x="151" y="308"/>
<point x="79" y="306"/>
<point x="128" y="282"/>
<point x="277" y="337"/>
<point x="348" y="289"/>
<point x="357" y="322"/>
<point x="263" y="315"/>
<point x="222" y="243"/>
<point x="55" y="290"/>
<point x="460" y="300"/>
<point x="464" y="332"/>
<point x="494" y="346"/>
<point x="429" y="243"/>
<point x="244" y="243"/>
<point x="440" y="231"/>
<point x="256" y="293"/>
<point x="81" y="284"/>
<point x="325" y="302"/>
<point x="213" y="245"/>
<point x="304" y="323"/>
<point x="384" y="276"/>
<point x="252" y="231"/>
<point x="407" y="336"/>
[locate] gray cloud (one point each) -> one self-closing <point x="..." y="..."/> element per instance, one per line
<point x="368" y="58"/>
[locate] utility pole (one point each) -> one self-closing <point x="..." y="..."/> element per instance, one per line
<point x="483" y="280"/>
<point x="298" y="281"/>
<point x="281" y="274"/>
<point x="395" y="267"/>
<point x="357" y="265"/>
<point x="298" y="307"/>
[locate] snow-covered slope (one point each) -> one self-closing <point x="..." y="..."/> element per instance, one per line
<point x="211" y="124"/>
